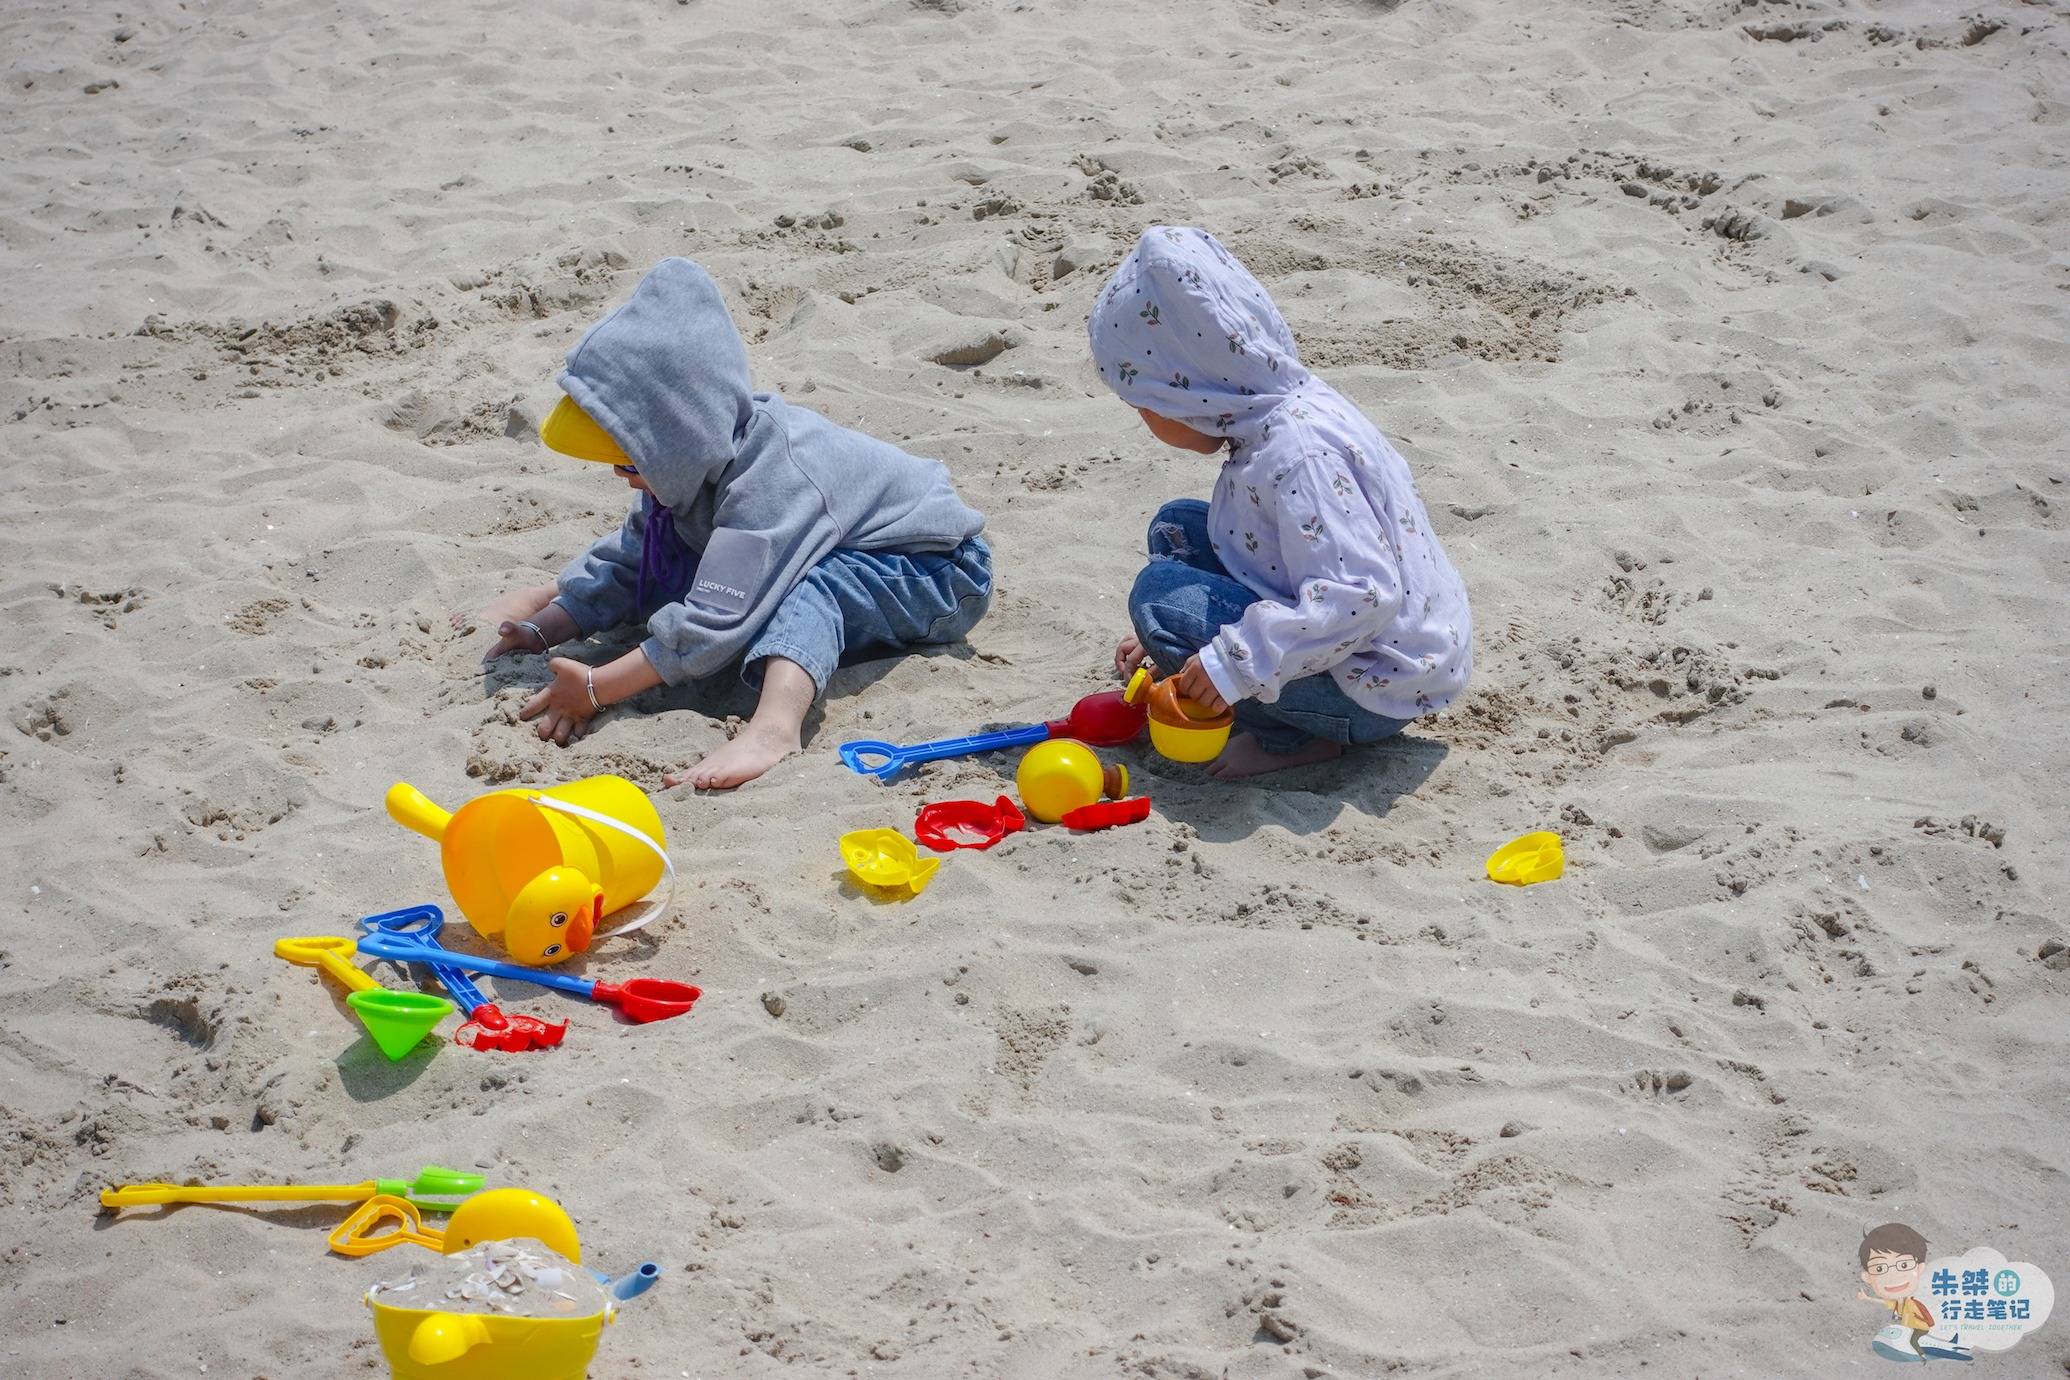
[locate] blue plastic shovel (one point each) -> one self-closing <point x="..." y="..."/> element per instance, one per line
<point x="641" y="998"/>
<point x="886" y="760"/>
<point x="487" y="1026"/>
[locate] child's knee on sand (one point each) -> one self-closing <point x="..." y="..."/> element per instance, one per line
<point x="857" y="602"/>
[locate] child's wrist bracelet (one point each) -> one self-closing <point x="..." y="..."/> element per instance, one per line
<point x="589" y="679"/>
<point x="533" y="628"/>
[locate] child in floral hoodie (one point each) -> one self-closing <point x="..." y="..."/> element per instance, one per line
<point x="1309" y="593"/>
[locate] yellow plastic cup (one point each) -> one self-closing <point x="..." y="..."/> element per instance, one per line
<point x="421" y="1344"/>
<point x="537" y="879"/>
<point x="1183" y="730"/>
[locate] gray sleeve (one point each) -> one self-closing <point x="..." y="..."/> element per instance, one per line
<point x="770" y="528"/>
<point x="600" y="587"/>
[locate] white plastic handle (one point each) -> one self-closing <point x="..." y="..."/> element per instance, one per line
<point x="655" y="908"/>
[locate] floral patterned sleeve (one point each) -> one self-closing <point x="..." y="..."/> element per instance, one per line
<point x="1339" y="560"/>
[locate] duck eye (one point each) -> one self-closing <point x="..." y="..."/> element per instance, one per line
<point x="552" y="949"/>
<point x="557" y="919"/>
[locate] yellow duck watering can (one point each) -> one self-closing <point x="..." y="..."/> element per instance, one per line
<point x="540" y="869"/>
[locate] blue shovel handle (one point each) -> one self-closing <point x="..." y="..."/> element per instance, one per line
<point x="404" y="950"/>
<point x="886" y="760"/>
<point x="422" y="924"/>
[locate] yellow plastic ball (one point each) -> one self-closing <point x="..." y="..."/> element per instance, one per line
<point x="1060" y="775"/>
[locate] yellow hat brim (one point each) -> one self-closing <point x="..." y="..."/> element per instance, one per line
<point x="571" y="431"/>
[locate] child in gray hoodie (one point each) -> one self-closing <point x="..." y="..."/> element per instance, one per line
<point x="765" y="534"/>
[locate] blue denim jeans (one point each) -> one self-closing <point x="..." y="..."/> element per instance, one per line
<point x="1185" y="596"/>
<point x="874" y="601"/>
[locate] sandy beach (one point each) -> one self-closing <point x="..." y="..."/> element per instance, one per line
<point x="1730" y="344"/>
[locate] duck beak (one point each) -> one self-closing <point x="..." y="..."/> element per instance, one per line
<point x="582" y="925"/>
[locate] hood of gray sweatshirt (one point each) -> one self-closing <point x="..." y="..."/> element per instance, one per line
<point x="759" y="491"/>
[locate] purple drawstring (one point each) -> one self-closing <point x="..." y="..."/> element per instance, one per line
<point x="665" y="564"/>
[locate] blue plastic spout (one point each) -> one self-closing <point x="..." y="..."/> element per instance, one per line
<point x="628" y="1287"/>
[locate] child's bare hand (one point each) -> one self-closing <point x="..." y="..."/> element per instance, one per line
<point x="1129" y="653"/>
<point x="508" y="608"/>
<point x="510" y="637"/>
<point x="562" y="705"/>
<point x="562" y="729"/>
<point x="544" y="629"/>
<point x="1195" y="685"/>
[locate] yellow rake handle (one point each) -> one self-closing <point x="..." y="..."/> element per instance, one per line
<point x="146" y="1195"/>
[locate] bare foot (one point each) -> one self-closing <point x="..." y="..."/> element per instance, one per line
<point x="776" y="731"/>
<point x="1243" y="757"/>
<point x="756" y="749"/>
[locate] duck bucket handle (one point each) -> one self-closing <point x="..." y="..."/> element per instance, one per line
<point x="655" y="908"/>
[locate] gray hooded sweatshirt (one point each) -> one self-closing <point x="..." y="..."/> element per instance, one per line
<point x="759" y="491"/>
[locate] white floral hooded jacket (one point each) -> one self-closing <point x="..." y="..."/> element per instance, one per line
<point x="1313" y="510"/>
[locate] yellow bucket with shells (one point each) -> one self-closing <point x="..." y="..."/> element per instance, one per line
<point x="422" y="1344"/>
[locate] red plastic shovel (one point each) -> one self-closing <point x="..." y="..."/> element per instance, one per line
<point x="643" y="999"/>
